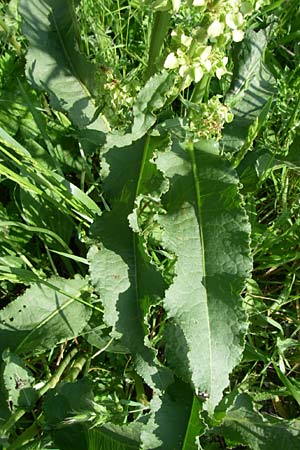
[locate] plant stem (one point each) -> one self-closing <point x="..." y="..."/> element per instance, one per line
<point x="139" y="388"/>
<point x="27" y="436"/>
<point x="77" y="367"/>
<point x="200" y="89"/>
<point x="159" y="31"/>
<point x="58" y="373"/>
<point x="193" y="425"/>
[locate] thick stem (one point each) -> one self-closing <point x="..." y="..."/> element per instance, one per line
<point x="158" y="34"/>
<point x="76" y="368"/>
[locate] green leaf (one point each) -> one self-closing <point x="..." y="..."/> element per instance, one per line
<point x="61" y="403"/>
<point x="4" y="410"/>
<point x="44" y="316"/>
<point x="174" y="422"/>
<point x="114" y="437"/>
<point x="119" y="267"/>
<point x="207" y="229"/>
<point x="96" y="333"/>
<point x="10" y="234"/>
<point x="244" y="425"/>
<point x="292" y="388"/>
<point x="53" y="64"/>
<point x="14" y="115"/>
<point x="17" y="381"/>
<point x="252" y="87"/>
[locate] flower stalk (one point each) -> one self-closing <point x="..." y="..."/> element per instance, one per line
<point x="159" y="31"/>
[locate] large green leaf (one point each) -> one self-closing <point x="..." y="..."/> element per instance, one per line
<point x="245" y="425"/>
<point x="207" y="229"/>
<point x="54" y="65"/>
<point x="114" y="437"/>
<point x="252" y="87"/>
<point x="174" y="421"/>
<point x="44" y="316"/>
<point x="119" y="267"/>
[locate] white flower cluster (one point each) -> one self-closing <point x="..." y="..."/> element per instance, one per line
<point x="175" y="5"/>
<point x="208" y="119"/>
<point x="193" y="61"/>
<point x="204" y="51"/>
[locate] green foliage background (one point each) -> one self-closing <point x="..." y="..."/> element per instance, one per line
<point x="149" y="245"/>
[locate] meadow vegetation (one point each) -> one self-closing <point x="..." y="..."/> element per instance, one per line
<point x="149" y="224"/>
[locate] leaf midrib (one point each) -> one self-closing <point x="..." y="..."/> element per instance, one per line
<point x="135" y="235"/>
<point x="199" y="215"/>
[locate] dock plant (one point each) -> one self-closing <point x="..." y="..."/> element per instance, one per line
<point x="131" y="145"/>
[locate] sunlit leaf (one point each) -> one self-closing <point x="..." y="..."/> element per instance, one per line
<point x="43" y="316"/>
<point x="119" y="267"/>
<point x="208" y="230"/>
<point x="53" y="64"/>
<point x="252" y="88"/>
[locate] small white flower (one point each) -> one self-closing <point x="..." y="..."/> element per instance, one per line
<point x="215" y="29"/>
<point x="220" y="72"/>
<point x="176" y="5"/>
<point x="198" y="2"/>
<point x="234" y="21"/>
<point x="221" y="68"/>
<point x="205" y="54"/>
<point x="207" y="64"/>
<point x="260" y="3"/>
<point x="182" y="71"/>
<point x="171" y="61"/>
<point x="237" y="35"/>
<point x="225" y="60"/>
<point x="198" y="74"/>
<point x="186" y="40"/>
<point x="230" y="21"/>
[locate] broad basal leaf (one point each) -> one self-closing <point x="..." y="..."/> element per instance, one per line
<point x="17" y="381"/>
<point x="54" y="65"/>
<point x="174" y="421"/>
<point x="252" y="87"/>
<point x="43" y="316"/>
<point x="120" y="271"/>
<point x="207" y="229"/>
<point x="245" y="425"/>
